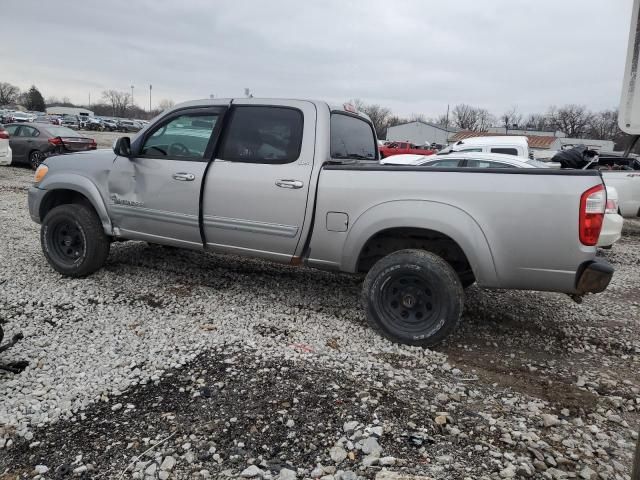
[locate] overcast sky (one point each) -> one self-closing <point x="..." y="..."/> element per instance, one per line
<point x="410" y="55"/>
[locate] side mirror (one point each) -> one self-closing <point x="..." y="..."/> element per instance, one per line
<point x="122" y="147"/>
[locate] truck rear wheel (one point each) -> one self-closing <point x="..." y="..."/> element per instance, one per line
<point x="73" y="240"/>
<point x="413" y="297"/>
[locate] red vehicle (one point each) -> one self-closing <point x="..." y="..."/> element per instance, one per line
<point x="401" y="148"/>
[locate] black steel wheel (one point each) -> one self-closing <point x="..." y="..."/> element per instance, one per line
<point x="73" y="240"/>
<point x="413" y="297"/>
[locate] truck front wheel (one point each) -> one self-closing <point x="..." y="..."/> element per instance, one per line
<point x="413" y="297"/>
<point x="73" y="240"/>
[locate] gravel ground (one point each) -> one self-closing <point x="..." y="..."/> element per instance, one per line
<point x="225" y="367"/>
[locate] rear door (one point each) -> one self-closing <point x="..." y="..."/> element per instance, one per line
<point x="155" y="195"/>
<point x="255" y="193"/>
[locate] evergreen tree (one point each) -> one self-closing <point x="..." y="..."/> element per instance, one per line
<point x="34" y="100"/>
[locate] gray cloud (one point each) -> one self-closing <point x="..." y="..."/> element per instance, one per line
<point x="409" y="55"/>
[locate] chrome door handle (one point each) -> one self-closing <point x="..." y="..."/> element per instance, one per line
<point x="289" y="183"/>
<point x="184" y="177"/>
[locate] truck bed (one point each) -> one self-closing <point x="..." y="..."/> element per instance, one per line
<point x="517" y="227"/>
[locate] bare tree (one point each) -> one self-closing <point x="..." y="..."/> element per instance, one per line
<point x="467" y="117"/>
<point x="537" y="121"/>
<point x="511" y="119"/>
<point x="8" y="93"/>
<point x="119" y="101"/>
<point x="573" y="120"/>
<point x="442" y="120"/>
<point x="165" y="104"/>
<point x="604" y="125"/>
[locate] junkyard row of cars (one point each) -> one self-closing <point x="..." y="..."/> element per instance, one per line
<point x="76" y="122"/>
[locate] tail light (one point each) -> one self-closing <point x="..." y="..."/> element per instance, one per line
<point x="55" y="141"/>
<point x="592" y="208"/>
<point x="93" y="145"/>
<point x="4" y="135"/>
<point x="612" y="206"/>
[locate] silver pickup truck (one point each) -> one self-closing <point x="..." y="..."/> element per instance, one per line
<point x="299" y="182"/>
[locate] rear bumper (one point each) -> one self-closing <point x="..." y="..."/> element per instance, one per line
<point x="611" y="230"/>
<point x="593" y="276"/>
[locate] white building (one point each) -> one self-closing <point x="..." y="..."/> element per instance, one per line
<point x="69" y="111"/>
<point x="420" y="133"/>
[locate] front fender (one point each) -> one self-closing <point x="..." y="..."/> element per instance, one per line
<point x="440" y="217"/>
<point x="82" y="185"/>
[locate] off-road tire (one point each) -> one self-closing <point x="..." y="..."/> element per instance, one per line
<point x="88" y="246"/>
<point x="413" y="297"/>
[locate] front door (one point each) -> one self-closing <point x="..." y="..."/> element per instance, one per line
<point x="255" y="194"/>
<point x="18" y="138"/>
<point x="155" y="195"/>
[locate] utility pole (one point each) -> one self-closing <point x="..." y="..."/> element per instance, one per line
<point x="150" y="87"/>
<point x="446" y="125"/>
<point x="132" y="103"/>
<point x="89" y="99"/>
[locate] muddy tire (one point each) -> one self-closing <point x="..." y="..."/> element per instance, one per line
<point x="73" y="240"/>
<point x="36" y="157"/>
<point x="413" y="297"/>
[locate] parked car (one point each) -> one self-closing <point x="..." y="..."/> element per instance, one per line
<point x="109" y="124"/>
<point x="129" y="126"/>
<point x="70" y="121"/>
<point x="507" y="145"/>
<point x="32" y="143"/>
<point x="22" y="117"/>
<point x="298" y="182"/>
<point x="402" y="148"/>
<point x="92" y="123"/>
<point x="613" y="222"/>
<point x="6" y="154"/>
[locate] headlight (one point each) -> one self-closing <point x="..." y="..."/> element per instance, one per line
<point x="40" y="173"/>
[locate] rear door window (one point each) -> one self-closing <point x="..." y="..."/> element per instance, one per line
<point x="505" y="151"/>
<point x="263" y="134"/>
<point x="352" y="137"/>
<point x="13" y="130"/>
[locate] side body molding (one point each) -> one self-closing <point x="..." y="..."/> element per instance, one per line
<point x="437" y="216"/>
<point x="84" y="186"/>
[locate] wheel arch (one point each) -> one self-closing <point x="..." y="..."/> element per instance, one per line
<point x="74" y="189"/>
<point x="405" y="223"/>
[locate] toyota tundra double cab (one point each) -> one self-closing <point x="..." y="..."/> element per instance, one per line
<point x="299" y="182"/>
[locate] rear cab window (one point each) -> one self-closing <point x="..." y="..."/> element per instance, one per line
<point x="352" y="138"/>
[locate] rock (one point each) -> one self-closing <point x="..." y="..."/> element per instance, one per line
<point x="441" y="419"/>
<point x="317" y="472"/>
<point x="116" y="407"/>
<point x="442" y="398"/>
<point x="549" y="420"/>
<point x="508" y="472"/>
<point x="348" y="475"/>
<point x="557" y="474"/>
<point x="540" y="465"/>
<point x="168" y="463"/>
<point x="377" y="431"/>
<point x="444" y="459"/>
<point x="588" y="474"/>
<point x="337" y="454"/>
<point x="80" y="470"/>
<point x="286" y="474"/>
<point x="290" y="423"/>
<point x="387" y="461"/>
<point x="371" y="445"/>
<point x="581" y="382"/>
<point x="385" y="475"/>
<point x="370" y="460"/>
<point x="163" y="475"/>
<point x="151" y="469"/>
<point x="349" y="427"/>
<point x="251" y="472"/>
<point x="41" y="469"/>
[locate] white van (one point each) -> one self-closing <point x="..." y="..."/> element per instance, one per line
<point x="506" y="145"/>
